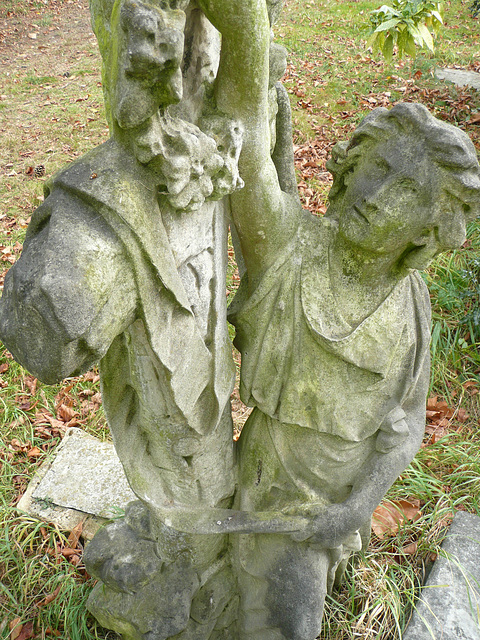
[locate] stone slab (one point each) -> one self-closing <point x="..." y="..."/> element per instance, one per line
<point x="83" y="481"/>
<point x="459" y="77"/>
<point x="449" y="605"/>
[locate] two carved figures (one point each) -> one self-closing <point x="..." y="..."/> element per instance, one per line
<point x="245" y="544"/>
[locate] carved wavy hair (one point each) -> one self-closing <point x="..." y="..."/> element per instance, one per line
<point x="448" y="147"/>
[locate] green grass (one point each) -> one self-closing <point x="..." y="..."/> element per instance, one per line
<point x="39" y="585"/>
<point x="333" y="82"/>
<point x="45" y="21"/>
<point x="42" y="80"/>
<point x="17" y="7"/>
<point x="454" y="283"/>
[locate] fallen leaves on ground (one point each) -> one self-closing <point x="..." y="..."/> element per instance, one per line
<point x="390" y="516"/>
<point x="20" y="631"/>
<point x="50" y="598"/>
<point x="471" y="387"/>
<point x="71" y="550"/>
<point x="442" y="419"/>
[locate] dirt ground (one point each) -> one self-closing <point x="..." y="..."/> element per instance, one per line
<point x="48" y="37"/>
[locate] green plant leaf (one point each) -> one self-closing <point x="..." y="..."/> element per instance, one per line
<point x="426" y="35"/>
<point x="409" y="45"/>
<point x="379" y="42"/>
<point x="401" y="41"/>
<point x="415" y="33"/>
<point x="438" y="16"/>
<point x="389" y="24"/>
<point x="388" y="48"/>
<point x="387" y="10"/>
<point x="371" y="40"/>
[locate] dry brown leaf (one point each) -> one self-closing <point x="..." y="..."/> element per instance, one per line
<point x="15" y="628"/>
<point x="56" y="424"/>
<point x="410" y="549"/>
<point x="27" y="631"/>
<point x="74" y="537"/>
<point x="97" y="398"/>
<point x="26" y="406"/>
<point x="444" y="423"/>
<point x="44" y="432"/>
<point x="51" y="597"/>
<point x="65" y="413"/>
<point x="384" y="521"/>
<point x="389" y="516"/>
<point x="472" y="387"/>
<point x="91" y="376"/>
<point x="63" y="396"/>
<point x="4" y="367"/>
<point x="438" y="435"/>
<point x="31" y="384"/>
<point x="16" y="445"/>
<point x="34" y="452"/>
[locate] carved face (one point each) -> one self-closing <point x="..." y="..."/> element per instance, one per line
<point x="394" y="203"/>
<point x="151" y="51"/>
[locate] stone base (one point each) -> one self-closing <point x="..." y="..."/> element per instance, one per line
<point x="460" y="77"/>
<point x="143" y="597"/>
<point x="449" y="604"/>
<point x="83" y="481"/>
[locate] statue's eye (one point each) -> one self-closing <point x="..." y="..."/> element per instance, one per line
<point x="381" y="165"/>
<point x="407" y="184"/>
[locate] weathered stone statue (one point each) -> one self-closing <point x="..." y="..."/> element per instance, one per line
<point x="124" y="263"/>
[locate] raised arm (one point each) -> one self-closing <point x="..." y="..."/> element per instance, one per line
<point x="264" y="217"/>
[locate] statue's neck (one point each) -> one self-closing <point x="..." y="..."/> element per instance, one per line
<point x="361" y="281"/>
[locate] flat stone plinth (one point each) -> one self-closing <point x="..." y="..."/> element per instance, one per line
<point x="449" y="605"/>
<point x="84" y="480"/>
<point x="460" y="77"/>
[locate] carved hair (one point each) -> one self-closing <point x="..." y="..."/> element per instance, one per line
<point x="448" y="147"/>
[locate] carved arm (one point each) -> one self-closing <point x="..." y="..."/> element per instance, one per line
<point x="263" y="221"/>
<point x="335" y="523"/>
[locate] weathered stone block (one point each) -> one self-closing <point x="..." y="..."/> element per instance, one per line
<point x="449" y="604"/>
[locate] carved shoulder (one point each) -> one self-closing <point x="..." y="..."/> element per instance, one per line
<point x="71" y="292"/>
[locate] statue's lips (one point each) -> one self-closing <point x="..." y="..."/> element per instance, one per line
<point x="361" y="214"/>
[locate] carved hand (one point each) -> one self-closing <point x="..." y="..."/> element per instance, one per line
<point x="332" y="526"/>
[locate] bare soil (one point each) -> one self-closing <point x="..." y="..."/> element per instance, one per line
<point x="47" y="38"/>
